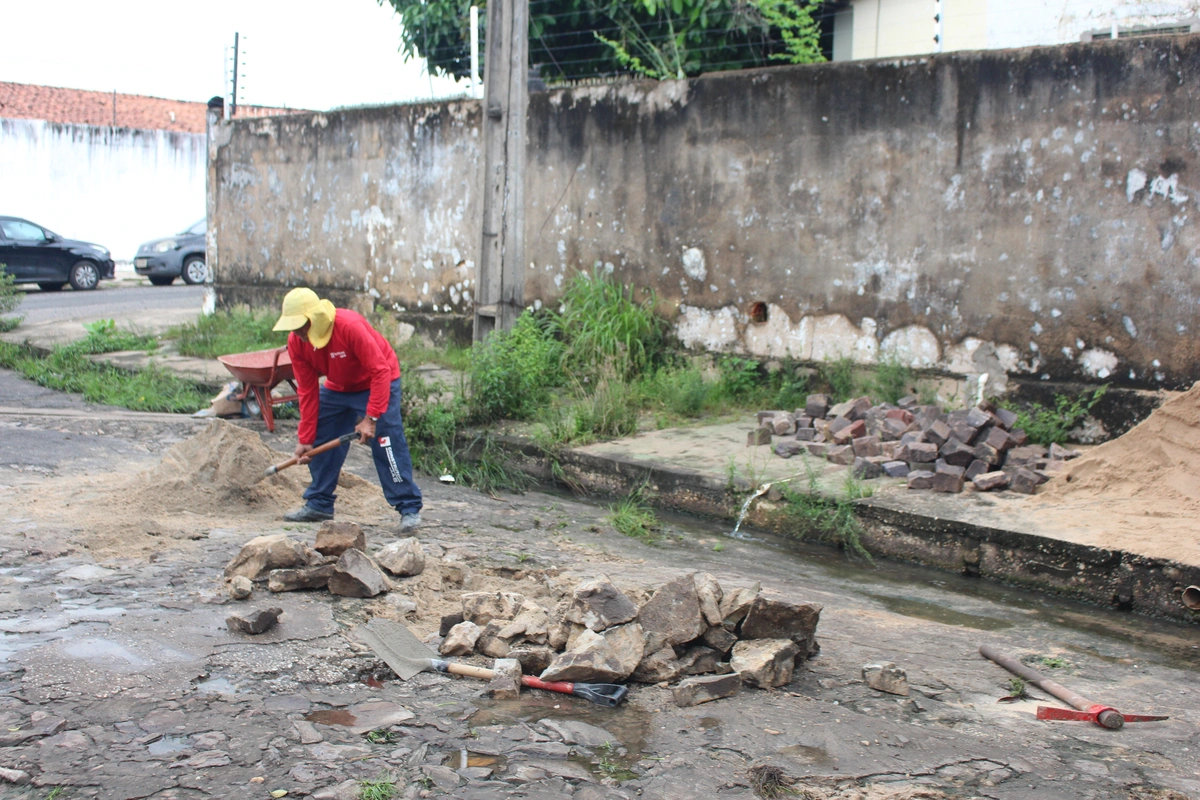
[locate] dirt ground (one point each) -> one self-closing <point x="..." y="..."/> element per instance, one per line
<point x="112" y="612"/>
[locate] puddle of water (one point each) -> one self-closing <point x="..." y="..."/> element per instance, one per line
<point x="604" y="765"/>
<point x="816" y="756"/>
<point x="933" y="612"/>
<point x="629" y="725"/>
<point x="216" y="686"/>
<point x="745" y="509"/>
<point x="103" y="650"/>
<point x="168" y="744"/>
<point x="333" y="716"/>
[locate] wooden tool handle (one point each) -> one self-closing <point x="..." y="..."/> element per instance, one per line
<point x="316" y="451"/>
<point x="469" y="671"/>
<point x="1036" y="678"/>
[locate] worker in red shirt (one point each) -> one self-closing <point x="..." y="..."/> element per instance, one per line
<point x="361" y="394"/>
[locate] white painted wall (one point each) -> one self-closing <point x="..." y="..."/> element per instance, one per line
<point x="116" y="187"/>
<point x="889" y="28"/>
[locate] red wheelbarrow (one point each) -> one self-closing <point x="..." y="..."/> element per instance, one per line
<point x="261" y="371"/>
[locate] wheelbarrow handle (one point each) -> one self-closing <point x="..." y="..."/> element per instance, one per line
<point x="316" y="451"/>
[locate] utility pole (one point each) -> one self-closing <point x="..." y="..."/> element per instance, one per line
<point x="500" y="288"/>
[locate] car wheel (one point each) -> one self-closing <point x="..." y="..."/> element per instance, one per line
<point x="162" y="280"/>
<point x="51" y="287"/>
<point x="194" y="270"/>
<point x="84" y="275"/>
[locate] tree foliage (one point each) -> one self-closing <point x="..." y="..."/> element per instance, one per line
<point x="660" y="39"/>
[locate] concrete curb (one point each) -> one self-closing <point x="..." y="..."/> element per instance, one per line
<point x="1112" y="578"/>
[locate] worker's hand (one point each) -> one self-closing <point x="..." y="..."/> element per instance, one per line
<point x="365" y="430"/>
<point x="300" y="451"/>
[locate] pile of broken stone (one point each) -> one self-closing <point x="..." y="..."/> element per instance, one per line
<point x="338" y="562"/>
<point x="933" y="449"/>
<point x="690" y="632"/>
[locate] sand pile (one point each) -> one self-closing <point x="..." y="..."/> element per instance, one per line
<point x="1158" y="462"/>
<point x="1139" y="492"/>
<point x="208" y="482"/>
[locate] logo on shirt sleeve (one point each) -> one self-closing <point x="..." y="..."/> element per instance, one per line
<point x="385" y="441"/>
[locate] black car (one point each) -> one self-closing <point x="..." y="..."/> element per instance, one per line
<point x="181" y="255"/>
<point x="33" y="254"/>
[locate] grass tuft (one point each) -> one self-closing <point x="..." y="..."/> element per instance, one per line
<point x="828" y="519"/>
<point x="382" y="788"/>
<point x="632" y="517"/>
<point x="235" y="330"/>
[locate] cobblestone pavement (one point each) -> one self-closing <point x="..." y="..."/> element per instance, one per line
<point x="120" y="680"/>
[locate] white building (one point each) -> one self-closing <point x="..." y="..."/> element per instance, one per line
<point x="889" y="28"/>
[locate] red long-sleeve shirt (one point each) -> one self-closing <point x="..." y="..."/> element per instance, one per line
<point x="357" y="358"/>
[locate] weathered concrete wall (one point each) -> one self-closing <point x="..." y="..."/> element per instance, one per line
<point x="1025" y="211"/>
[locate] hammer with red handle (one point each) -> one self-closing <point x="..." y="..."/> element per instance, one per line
<point x="1084" y="710"/>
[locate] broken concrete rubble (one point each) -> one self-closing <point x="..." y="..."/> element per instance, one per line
<point x="764" y="663"/>
<point x="335" y="538"/>
<point x="886" y="678"/>
<point x="704" y="689"/>
<point x="264" y="553"/>
<point x="598" y="604"/>
<point x="403" y="558"/>
<point x="356" y="575"/>
<point x="255" y="622"/>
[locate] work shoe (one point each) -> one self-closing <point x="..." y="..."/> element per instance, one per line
<point x="306" y="513"/>
<point x="409" y="522"/>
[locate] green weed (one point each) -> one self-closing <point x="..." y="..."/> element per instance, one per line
<point x="840" y="379"/>
<point x="891" y="379"/>
<point x="601" y="324"/>
<point x="511" y="373"/>
<point x="1017" y="689"/>
<point x="383" y="737"/>
<point x="10" y="298"/>
<point x="739" y="377"/>
<point x="67" y="369"/>
<point x="56" y="792"/>
<point x="10" y="323"/>
<point x="1054" y="662"/>
<point x="382" y="788"/>
<point x="1052" y="425"/>
<point x="632" y="517"/>
<point x="813" y="515"/>
<point x="235" y="330"/>
<point x="718" y="547"/>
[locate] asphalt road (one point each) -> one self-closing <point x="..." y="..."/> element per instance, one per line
<point x="109" y="300"/>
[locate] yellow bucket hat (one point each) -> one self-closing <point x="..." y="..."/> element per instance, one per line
<point x="302" y="305"/>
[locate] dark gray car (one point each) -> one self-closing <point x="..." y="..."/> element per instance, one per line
<point x="179" y="256"/>
<point x="33" y="254"/>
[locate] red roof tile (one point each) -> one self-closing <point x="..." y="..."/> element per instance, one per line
<point x="54" y="104"/>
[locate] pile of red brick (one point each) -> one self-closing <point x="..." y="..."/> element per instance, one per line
<point x="933" y="449"/>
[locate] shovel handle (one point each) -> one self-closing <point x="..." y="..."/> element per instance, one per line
<point x="469" y="671"/>
<point x="316" y="451"/>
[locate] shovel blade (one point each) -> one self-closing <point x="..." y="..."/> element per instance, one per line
<point x="398" y="647"/>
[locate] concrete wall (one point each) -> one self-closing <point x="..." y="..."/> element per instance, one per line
<point x="1028" y="212"/>
<point x="116" y="187"/>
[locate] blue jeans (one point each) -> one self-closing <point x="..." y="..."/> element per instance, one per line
<point x="338" y="413"/>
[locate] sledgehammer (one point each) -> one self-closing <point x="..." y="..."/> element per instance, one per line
<point x="316" y="451"/>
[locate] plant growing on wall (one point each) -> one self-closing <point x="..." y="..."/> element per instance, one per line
<point x="660" y="39"/>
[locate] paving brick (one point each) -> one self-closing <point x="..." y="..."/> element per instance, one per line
<point x="896" y="469"/>
<point x="789" y="447"/>
<point x="902" y="414"/>
<point x="838" y="424"/>
<point x="840" y="454"/>
<point x="841" y="409"/>
<point x="763" y="416"/>
<point x="920" y="479"/>
<point x="803" y="421"/>
<point x="975" y="468"/>
<point x="1007" y="418"/>
<point x="964" y="432"/>
<point x="759" y="436"/>
<point x="816" y="406"/>
<point x="894" y="428"/>
<point x="957" y="453"/>
<point x="806" y="434"/>
<point x="908" y="401"/>
<point x="889" y="449"/>
<point x="925" y="452"/>
<point x="990" y="481"/>
<point x="998" y="439"/>
<point x="866" y="469"/>
<point x="783" y="424"/>
<point x="853" y="431"/>
<point x="818" y="449"/>
<point x="1029" y="454"/>
<point x="947" y="482"/>
<point x="866" y="446"/>
<point x="1019" y="437"/>
<point x="859" y="407"/>
<point x="1024" y="481"/>
<point x="988" y="454"/>
<point x="911" y="436"/>
<point x="977" y="418"/>
<point x="938" y="433"/>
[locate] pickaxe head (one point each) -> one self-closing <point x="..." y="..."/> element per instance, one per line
<point x="1104" y="716"/>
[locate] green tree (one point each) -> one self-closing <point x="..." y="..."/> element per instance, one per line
<point x="660" y="39"/>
